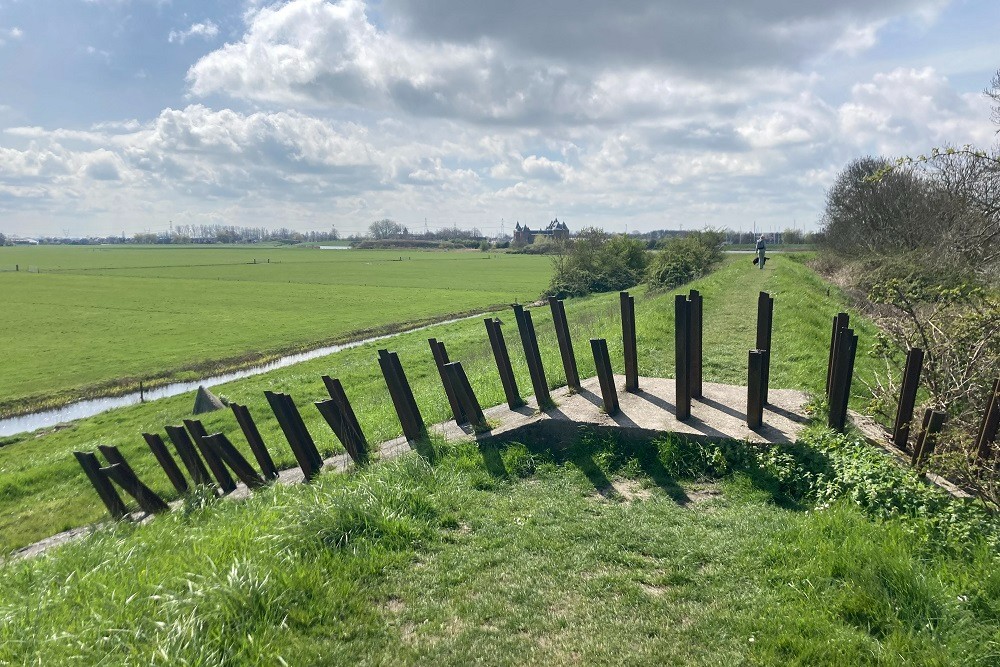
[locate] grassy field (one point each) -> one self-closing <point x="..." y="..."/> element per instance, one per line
<point x="606" y="552"/>
<point x="42" y="490"/>
<point x="86" y="321"/>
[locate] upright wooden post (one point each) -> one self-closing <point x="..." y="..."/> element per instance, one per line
<point x="466" y="396"/>
<point x="990" y="424"/>
<point x="907" y="397"/>
<point x="697" y="337"/>
<point x="340" y="416"/>
<point x="254" y="439"/>
<point x="933" y="422"/>
<point x="402" y="396"/>
<point x="219" y="470"/>
<point x="629" y="342"/>
<point x="605" y="375"/>
<point x="765" y="321"/>
<point x="440" y="359"/>
<point x="565" y="343"/>
<point x="189" y="455"/>
<point x="534" y="359"/>
<point x="504" y="368"/>
<point x="755" y="388"/>
<point x="174" y="474"/>
<point x="105" y="490"/>
<point x="682" y="356"/>
<point x="232" y="458"/>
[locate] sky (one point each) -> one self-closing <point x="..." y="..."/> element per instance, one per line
<point x="124" y="116"/>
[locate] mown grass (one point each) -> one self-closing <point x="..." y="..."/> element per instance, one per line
<point x="607" y="552"/>
<point x="97" y="320"/>
<point x="43" y="491"/>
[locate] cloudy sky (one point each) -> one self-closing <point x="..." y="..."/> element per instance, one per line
<point x="127" y="115"/>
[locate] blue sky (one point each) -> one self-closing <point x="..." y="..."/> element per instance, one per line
<point x="129" y="115"/>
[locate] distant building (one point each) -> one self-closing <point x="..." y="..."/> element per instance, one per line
<point x="556" y="230"/>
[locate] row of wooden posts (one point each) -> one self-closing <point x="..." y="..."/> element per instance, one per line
<point x="933" y="420"/>
<point x="196" y="448"/>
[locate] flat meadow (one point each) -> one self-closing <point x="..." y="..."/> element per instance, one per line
<point x="82" y="321"/>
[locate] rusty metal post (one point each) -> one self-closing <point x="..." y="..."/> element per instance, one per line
<point x="92" y="468"/>
<point x="440" y="359"/>
<point x="466" y="396"/>
<point x="932" y="424"/>
<point x="841" y="321"/>
<point x="504" y="368"/>
<point x="605" y="375"/>
<point x="166" y="461"/>
<point x="629" y="342"/>
<point x="232" y="458"/>
<point x="534" y="359"/>
<point x="189" y="455"/>
<point x="123" y="475"/>
<point x="990" y="424"/>
<point x="280" y="406"/>
<point x="697" y="337"/>
<point x="682" y="356"/>
<point x="840" y="385"/>
<point x="215" y="464"/>
<point x="907" y="397"/>
<point x="350" y="433"/>
<point x="254" y="439"/>
<point x="402" y="396"/>
<point x="765" y="322"/>
<point x="755" y="388"/>
<point x="565" y="343"/>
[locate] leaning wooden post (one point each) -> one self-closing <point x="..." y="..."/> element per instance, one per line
<point x="166" y="461"/>
<point x="440" y="359"/>
<point x="990" y="424"/>
<point x="504" y="367"/>
<point x="232" y="458"/>
<point x="840" y="322"/>
<point x="907" y="397"/>
<point x="682" y="356"/>
<point x="254" y="439"/>
<point x="765" y="318"/>
<point x="402" y="397"/>
<point x="189" y="455"/>
<point x="466" y="396"/>
<point x="755" y="388"/>
<point x="605" y="375"/>
<point x="92" y="468"/>
<point x="565" y="343"/>
<point x="933" y="422"/>
<point x="629" y="342"/>
<point x="696" y="341"/>
<point x="219" y="470"/>
<point x="534" y="359"/>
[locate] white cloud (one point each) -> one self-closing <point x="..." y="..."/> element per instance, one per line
<point x="205" y="30"/>
<point x="10" y="34"/>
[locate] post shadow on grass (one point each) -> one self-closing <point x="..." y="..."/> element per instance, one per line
<point x="492" y="459"/>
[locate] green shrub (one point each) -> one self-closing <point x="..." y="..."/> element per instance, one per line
<point x="682" y="259"/>
<point x="596" y="261"/>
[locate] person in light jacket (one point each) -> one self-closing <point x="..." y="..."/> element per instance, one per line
<point x="761" y="247"/>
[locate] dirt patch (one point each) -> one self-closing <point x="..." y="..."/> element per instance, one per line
<point x="626" y="490"/>
<point x="653" y="591"/>
<point x="701" y="495"/>
<point x="394" y="605"/>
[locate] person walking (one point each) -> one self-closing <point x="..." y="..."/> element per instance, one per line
<point x="761" y="247"/>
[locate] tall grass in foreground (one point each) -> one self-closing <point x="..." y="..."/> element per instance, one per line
<point x="605" y="552"/>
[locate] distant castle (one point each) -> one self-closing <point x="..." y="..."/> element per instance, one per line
<point x="556" y="230"/>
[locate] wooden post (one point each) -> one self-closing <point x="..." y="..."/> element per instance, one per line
<point x="502" y="359"/>
<point x="840" y="322"/>
<point x="166" y="461"/>
<point x="696" y="342"/>
<point x="293" y="434"/>
<point x="990" y="424"/>
<point x="907" y="397"/>
<point x="189" y="455"/>
<point x="534" y="359"/>
<point x="755" y="389"/>
<point x="932" y="424"/>
<point x="440" y="359"/>
<point x="465" y="395"/>
<point x="254" y="439"/>
<point x="682" y="356"/>
<point x="92" y="468"/>
<point x="402" y="396"/>
<point x="605" y="375"/>
<point x="350" y="433"/>
<point x="765" y="320"/>
<point x="629" y="342"/>
<point x="123" y="475"/>
<point x="219" y="470"/>
<point x="565" y="343"/>
<point x="232" y="458"/>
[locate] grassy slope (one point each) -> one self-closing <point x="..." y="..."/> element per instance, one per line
<point x="515" y="556"/>
<point x="99" y="317"/>
<point x="42" y="490"/>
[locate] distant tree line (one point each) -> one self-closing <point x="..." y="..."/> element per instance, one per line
<point x="233" y="234"/>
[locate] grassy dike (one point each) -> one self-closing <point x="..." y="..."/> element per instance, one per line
<point x="43" y="491"/>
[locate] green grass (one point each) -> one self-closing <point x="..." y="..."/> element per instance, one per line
<point x="607" y="552"/>
<point x="43" y="491"/>
<point x="94" y="321"/>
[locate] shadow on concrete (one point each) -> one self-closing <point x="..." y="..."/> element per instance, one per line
<point x="787" y="414"/>
<point x="721" y="407"/>
<point x="656" y="400"/>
